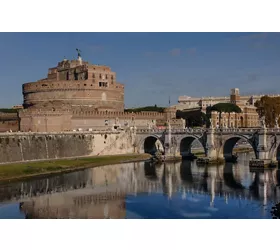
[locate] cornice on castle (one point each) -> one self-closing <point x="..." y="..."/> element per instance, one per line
<point x="113" y="114"/>
<point x="92" y="114"/>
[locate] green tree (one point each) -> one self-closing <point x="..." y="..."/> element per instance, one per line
<point x="225" y="108"/>
<point x="147" y="108"/>
<point x="193" y="118"/>
<point x="5" y="110"/>
<point x="269" y="107"/>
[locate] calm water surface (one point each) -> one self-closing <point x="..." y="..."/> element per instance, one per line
<point x="144" y="191"/>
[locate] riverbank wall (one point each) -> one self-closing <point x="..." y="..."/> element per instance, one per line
<point x="22" y="147"/>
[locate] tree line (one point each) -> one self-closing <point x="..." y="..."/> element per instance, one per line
<point x="146" y="108"/>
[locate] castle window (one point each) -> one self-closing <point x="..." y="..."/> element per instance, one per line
<point x="93" y="75"/>
<point x="103" y="84"/>
<point x="85" y="85"/>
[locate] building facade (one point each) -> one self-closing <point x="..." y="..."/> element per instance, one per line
<point x="187" y="102"/>
<point x="247" y="118"/>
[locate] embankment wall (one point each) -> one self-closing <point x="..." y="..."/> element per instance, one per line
<point x="20" y="147"/>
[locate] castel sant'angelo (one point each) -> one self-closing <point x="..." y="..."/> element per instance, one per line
<point x="77" y="95"/>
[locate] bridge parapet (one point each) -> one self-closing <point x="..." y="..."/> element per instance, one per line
<point x="173" y="131"/>
<point x="237" y="130"/>
<point x="61" y="133"/>
<point x="273" y="130"/>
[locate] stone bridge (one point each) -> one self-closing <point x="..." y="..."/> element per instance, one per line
<point x="217" y="143"/>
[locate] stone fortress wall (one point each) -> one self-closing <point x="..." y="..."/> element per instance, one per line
<point x="9" y="121"/>
<point x="69" y="120"/>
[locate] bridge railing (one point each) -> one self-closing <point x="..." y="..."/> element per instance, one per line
<point x="61" y="133"/>
<point x="173" y="131"/>
<point x="238" y="130"/>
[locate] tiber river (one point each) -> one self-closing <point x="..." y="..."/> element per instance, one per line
<point x="180" y="190"/>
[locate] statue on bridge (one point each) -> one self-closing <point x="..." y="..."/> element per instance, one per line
<point x="79" y="52"/>
<point x="262" y="120"/>
<point x="276" y="122"/>
<point x="210" y="123"/>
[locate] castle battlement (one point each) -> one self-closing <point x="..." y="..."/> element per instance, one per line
<point x="115" y="114"/>
<point x="8" y="116"/>
<point x="38" y="113"/>
<point x="77" y="113"/>
<point x="48" y="85"/>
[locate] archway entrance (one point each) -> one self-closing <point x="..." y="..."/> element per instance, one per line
<point x="152" y="145"/>
<point x="234" y="145"/>
<point x="186" y="146"/>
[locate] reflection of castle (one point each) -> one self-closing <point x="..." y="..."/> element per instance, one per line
<point x="101" y="206"/>
<point x="101" y="192"/>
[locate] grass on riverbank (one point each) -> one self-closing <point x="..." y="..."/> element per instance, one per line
<point x="30" y="169"/>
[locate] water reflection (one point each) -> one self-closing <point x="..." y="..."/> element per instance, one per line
<point x="144" y="190"/>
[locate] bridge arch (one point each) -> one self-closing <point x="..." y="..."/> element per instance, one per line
<point x="151" y="144"/>
<point x="230" y="143"/>
<point x="186" y="145"/>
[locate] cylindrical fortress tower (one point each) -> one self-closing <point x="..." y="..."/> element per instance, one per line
<point x="76" y="84"/>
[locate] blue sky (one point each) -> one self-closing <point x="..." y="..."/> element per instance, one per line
<point x="151" y="65"/>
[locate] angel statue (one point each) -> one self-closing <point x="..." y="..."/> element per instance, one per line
<point x="263" y="122"/>
<point x="79" y="52"/>
<point x="210" y="123"/>
<point x="276" y="122"/>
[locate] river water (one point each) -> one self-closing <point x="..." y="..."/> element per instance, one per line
<point x="145" y="191"/>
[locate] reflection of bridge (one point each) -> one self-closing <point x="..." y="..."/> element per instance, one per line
<point x="217" y="143"/>
<point x="78" y="194"/>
